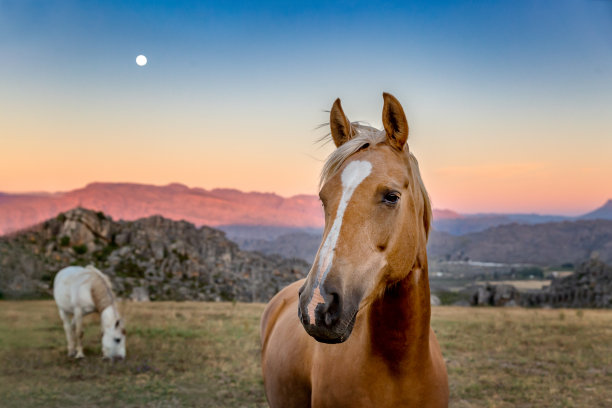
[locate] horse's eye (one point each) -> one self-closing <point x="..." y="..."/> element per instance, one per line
<point x="391" y="198"/>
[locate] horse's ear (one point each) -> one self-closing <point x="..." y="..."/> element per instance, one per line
<point x="117" y="323"/>
<point x="341" y="129"/>
<point x="394" y="121"/>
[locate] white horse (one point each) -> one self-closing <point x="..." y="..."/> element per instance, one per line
<point x="80" y="291"/>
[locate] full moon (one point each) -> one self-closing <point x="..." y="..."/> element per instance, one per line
<point x="141" y="60"/>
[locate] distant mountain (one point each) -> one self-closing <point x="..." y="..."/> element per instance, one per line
<point x="468" y="223"/>
<point x="479" y="222"/>
<point x="301" y="245"/>
<point x="445" y="214"/>
<point x="604" y="212"/>
<point x="241" y="214"/>
<point x="150" y="258"/>
<point x="544" y="244"/>
<point x="129" y="201"/>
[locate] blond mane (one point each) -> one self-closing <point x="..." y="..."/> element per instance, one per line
<point x="101" y="289"/>
<point x="364" y="135"/>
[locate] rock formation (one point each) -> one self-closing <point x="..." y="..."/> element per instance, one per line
<point x="590" y="286"/>
<point x="151" y="258"/>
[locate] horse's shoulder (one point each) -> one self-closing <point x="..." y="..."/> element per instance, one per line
<point x="276" y="306"/>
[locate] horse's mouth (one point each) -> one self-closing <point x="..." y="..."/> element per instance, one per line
<point x="328" y="336"/>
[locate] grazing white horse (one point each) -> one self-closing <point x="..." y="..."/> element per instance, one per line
<point x="80" y="291"/>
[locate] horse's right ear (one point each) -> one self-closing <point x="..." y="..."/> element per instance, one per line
<point x="341" y="129"/>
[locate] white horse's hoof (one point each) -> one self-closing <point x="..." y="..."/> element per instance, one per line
<point x="79" y="355"/>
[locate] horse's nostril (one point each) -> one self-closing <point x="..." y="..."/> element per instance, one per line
<point x="328" y="319"/>
<point x="300" y="291"/>
<point x="117" y="340"/>
<point x="329" y="313"/>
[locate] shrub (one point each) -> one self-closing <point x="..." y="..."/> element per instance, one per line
<point x="102" y="254"/>
<point x="65" y="241"/>
<point x="128" y="268"/>
<point x="80" y="249"/>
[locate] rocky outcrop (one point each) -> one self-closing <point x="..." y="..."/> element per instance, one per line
<point x="590" y="286"/>
<point x="495" y="295"/>
<point x="151" y="258"/>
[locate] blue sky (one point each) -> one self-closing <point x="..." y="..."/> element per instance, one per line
<point x="508" y="101"/>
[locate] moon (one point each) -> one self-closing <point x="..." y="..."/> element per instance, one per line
<point x="141" y="60"/>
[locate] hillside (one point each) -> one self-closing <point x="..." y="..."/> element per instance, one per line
<point x="153" y="257"/>
<point x="553" y="243"/>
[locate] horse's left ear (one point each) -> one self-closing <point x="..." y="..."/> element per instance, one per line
<point x="394" y="121"/>
<point x="117" y="323"/>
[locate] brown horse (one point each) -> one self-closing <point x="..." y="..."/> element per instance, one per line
<point x="355" y="332"/>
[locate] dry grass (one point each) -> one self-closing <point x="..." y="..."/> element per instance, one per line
<point x="529" y="284"/>
<point x="207" y="354"/>
<point x="513" y="357"/>
<point x="179" y="355"/>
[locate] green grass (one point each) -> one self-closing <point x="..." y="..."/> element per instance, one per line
<point x="207" y="354"/>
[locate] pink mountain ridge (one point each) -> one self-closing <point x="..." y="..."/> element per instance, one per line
<point x="130" y="201"/>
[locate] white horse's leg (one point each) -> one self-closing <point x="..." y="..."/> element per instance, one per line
<point x="78" y="329"/>
<point x="69" y="333"/>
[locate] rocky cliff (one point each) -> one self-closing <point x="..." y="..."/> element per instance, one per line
<point x="151" y="258"/>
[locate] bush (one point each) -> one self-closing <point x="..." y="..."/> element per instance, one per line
<point x="65" y="241"/>
<point x="127" y="268"/>
<point x="103" y="254"/>
<point x="448" y="298"/>
<point x="80" y="249"/>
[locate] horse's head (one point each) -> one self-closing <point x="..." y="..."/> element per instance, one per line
<point x="377" y="217"/>
<point x="113" y="340"/>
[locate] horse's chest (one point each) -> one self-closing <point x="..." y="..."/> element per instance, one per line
<point x="347" y="385"/>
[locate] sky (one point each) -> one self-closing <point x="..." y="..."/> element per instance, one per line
<point x="509" y="102"/>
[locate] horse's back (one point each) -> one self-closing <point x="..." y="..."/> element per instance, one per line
<point x="286" y="360"/>
<point x="69" y="289"/>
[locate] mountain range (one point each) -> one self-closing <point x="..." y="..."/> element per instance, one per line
<point x="243" y="215"/>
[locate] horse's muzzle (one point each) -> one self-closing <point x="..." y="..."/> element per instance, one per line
<point x="331" y="323"/>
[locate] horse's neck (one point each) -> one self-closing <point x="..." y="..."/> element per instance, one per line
<point x="399" y="321"/>
<point x="109" y="316"/>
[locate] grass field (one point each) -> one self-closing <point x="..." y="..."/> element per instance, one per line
<point x="207" y="354"/>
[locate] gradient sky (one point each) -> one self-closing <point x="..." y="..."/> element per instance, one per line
<point x="509" y="102"/>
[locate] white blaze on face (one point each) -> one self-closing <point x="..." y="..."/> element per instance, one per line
<point x="352" y="175"/>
